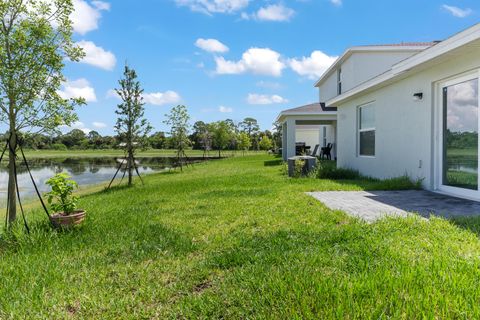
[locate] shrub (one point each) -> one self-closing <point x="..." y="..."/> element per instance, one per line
<point x="329" y="170"/>
<point x="399" y="183"/>
<point x="59" y="146"/>
<point x="60" y="198"/>
<point x="298" y="168"/>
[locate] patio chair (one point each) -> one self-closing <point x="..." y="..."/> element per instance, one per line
<point x="300" y="148"/>
<point x="315" y="150"/>
<point x="326" y="152"/>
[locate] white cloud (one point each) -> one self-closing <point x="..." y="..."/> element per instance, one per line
<point x="97" y="56"/>
<point x="224" y="109"/>
<point x="78" y="89"/>
<point x="112" y="94"/>
<point x="261" y="61"/>
<point x="76" y="125"/>
<point x="336" y="2"/>
<point x="101" y="5"/>
<point x="313" y="66"/>
<point x="86" y="15"/>
<point x="268" y="85"/>
<point x="161" y="98"/>
<point x="214" y="6"/>
<point x="154" y="98"/>
<point x="211" y="45"/>
<point x="264" y="99"/>
<point x="458" y="12"/>
<point x="274" y="12"/>
<point x="463" y="107"/>
<point x="99" y="125"/>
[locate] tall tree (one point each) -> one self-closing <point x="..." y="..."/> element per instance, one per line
<point x="178" y="120"/>
<point x="234" y="130"/>
<point x="35" y="41"/>
<point x="74" y="138"/>
<point x="277" y="135"/>
<point x="202" y="136"/>
<point x="250" y="126"/>
<point x="131" y="124"/>
<point x="157" y="140"/>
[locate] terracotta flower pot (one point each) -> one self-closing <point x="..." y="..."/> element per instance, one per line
<point x="63" y="220"/>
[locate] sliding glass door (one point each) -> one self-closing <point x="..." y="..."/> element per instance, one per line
<point x="460" y="136"/>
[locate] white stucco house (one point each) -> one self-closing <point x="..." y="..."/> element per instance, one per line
<point x="408" y="108"/>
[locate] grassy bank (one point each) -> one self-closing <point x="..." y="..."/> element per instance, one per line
<point x="235" y="239"/>
<point x="118" y="153"/>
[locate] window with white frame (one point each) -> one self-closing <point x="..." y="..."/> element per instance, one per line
<point x="366" y="130"/>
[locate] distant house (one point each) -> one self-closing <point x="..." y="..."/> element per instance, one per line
<point x="408" y="108"/>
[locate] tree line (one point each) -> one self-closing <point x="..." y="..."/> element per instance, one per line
<point x="219" y="135"/>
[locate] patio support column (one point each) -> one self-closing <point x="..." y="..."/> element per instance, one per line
<point x="334" y="151"/>
<point x="284" y="140"/>
<point x="290" y="138"/>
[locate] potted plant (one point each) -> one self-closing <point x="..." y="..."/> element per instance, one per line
<point x="63" y="202"/>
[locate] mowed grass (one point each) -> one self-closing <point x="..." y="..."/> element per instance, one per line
<point x="235" y="239"/>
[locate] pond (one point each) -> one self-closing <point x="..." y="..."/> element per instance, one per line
<point x="86" y="171"/>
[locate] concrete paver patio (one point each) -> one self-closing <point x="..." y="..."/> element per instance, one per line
<point x="373" y="205"/>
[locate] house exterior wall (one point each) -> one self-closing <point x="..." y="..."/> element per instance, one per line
<point x="360" y="67"/>
<point x="328" y="89"/>
<point x="311" y="136"/>
<point x="363" y="66"/>
<point x="406" y="142"/>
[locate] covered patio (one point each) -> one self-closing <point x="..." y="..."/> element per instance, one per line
<point x="307" y="129"/>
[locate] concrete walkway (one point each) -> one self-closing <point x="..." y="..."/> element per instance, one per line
<point x="373" y="205"/>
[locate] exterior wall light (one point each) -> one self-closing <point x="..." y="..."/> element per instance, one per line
<point x="418" y="96"/>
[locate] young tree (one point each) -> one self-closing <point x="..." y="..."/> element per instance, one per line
<point x="221" y="135"/>
<point x="35" y="41"/>
<point x="265" y="143"/>
<point x="131" y="124"/>
<point x="244" y="142"/>
<point x="178" y="120"/>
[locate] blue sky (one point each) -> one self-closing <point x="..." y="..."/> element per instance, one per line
<point x="235" y="58"/>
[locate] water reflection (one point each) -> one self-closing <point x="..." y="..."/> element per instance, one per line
<point x="86" y="171"/>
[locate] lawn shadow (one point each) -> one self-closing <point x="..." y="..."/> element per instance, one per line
<point x="275" y="248"/>
<point x="471" y="224"/>
<point x="272" y="163"/>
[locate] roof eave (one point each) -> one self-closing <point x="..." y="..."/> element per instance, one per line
<point x="456" y="41"/>
<point x="352" y="50"/>
<point x="324" y="113"/>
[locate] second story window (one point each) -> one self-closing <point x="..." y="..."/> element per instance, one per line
<point x="339" y="81"/>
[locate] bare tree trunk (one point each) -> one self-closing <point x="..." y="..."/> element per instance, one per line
<point x="12" y="196"/>
<point x="130" y="165"/>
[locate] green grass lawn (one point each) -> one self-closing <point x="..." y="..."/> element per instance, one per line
<point x="235" y="239"/>
<point x="118" y="153"/>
